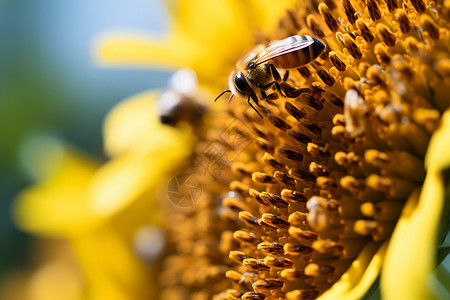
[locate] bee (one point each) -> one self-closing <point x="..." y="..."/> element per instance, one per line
<point x="257" y="70"/>
<point x="180" y="101"/>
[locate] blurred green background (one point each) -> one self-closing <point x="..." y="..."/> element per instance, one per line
<point x="50" y="84"/>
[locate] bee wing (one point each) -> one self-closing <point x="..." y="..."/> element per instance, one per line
<point x="281" y="48"/>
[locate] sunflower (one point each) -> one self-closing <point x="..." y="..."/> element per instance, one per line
<point x="345" y="175"/>
<point x="331" y="185"/>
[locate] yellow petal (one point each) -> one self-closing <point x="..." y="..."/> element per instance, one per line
<point x="207" y="56"/>
<point x="437" y="153"/>
<point x="411" y="255"/>
<point x="193" y="15"/>
<point x="206" y="36"/>
<point x="140" y="50"/>
<point x="45" y="157"/>
<point x="111" y="267"/>
<point x="355" y="283"/>
<point x="58" y="205"/>
<point x="53" y="211"/>
<point x="268" y="14"/>
<point x="129" y="122"/>
<point x="203" y="18"/>
<point x="127" y="177"/>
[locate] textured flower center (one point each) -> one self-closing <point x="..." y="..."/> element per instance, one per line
<point x="330" y="166"/>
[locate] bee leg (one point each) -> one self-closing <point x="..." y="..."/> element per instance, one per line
<point x="251" y="105"/>
<point x="276" y="76"/>
<point x="263" y="94"/>
<point x="286" y="75"/>
<point x="272" y="70"/>
<point x="278" y="87"/>
<point x="272" y="96"/>
<point x="269" y="85"/>
<point x="263" y="87"/>
<point x="291" y="91"/>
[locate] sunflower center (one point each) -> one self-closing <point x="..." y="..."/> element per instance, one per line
<point x="330" y="166"/>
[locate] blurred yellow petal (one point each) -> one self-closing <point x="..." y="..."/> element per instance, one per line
<point x="139" y="50"/>
<point x="176" y="51"/>
<point x="202" y="18"/>
<point x="129" y="122"/>
<point x="416" y="233"/>
<point x="46" y="157"/>
<point x="411" y="255"/>
<point x="58" y="205"/>
<point x="206" y="36"/>
<point x="437" y="154"/>
<point x="268" y="14"/>
<point x="193" y="15"/>
<point x="127" y="177"/>
<point x="111" y="267"/>
<point x="354" y="283"/>
<point x="91" y="210"/>
<point x="53" y="211"/>
<point x="144" y="152"/>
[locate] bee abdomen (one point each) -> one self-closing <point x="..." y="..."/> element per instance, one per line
<point x="302" y="56"/>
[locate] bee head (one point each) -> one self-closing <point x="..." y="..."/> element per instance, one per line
<point x="241" y="85"/>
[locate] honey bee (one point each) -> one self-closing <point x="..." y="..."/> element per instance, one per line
<point x="180" y="101"/>
<point x="258" y="69"/>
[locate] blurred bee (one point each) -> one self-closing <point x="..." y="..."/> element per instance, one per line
<point x="258" y="69"/>
<point x="180" y="102"/>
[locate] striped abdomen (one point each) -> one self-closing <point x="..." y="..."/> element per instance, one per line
<point x="299" y="50"/>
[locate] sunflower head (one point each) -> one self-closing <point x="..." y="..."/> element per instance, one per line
<point x="324" y="175"/>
